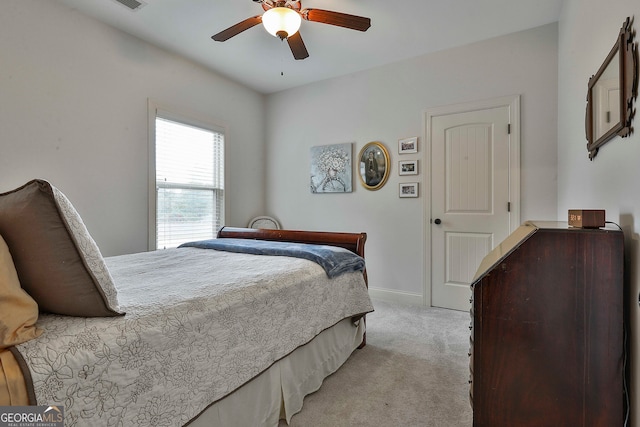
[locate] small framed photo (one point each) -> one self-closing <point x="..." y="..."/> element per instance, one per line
<point x="408" y="167"/>
<point x="408" y="189"/>
<point x="408" y="145"/>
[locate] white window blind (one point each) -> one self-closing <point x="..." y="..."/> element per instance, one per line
<point x="189" y="182"/>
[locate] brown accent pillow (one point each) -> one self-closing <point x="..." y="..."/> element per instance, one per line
<point x="57" y="261"/>
<point x="18" y="311"/>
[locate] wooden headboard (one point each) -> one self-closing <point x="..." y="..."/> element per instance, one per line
<point x="351" y="241"/>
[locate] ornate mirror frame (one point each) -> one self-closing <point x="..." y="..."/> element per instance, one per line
<point x="601" y="125"/>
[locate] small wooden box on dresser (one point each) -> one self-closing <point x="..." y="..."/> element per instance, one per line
<point x="547" y="329"/>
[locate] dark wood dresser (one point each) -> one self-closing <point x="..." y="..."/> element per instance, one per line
<point x="547" y="326"/>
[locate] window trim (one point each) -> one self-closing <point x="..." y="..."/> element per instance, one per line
<point x="156" y="109"/>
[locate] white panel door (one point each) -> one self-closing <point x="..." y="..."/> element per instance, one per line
<point x="470" y="198"/>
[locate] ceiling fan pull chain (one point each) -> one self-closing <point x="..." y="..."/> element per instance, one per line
<point x="282" y="60"/>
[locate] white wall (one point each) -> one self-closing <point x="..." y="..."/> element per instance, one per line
<point x="388" y="103"/>
<point x="588" y="30"/>
<point x="73" y="110"/>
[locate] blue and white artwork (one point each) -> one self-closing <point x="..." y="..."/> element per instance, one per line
<point x="331" y="168"/>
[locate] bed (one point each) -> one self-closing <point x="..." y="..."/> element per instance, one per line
<point x="197" y="335"/>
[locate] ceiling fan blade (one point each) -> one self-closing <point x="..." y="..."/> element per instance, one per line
<point x="353" y="22"/>
<point x="234" y="30"/>
<point x="297" y="46"/>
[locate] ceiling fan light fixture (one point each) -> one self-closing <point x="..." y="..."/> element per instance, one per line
<point x="281" y="21"/>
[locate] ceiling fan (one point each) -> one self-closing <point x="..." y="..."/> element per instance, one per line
<point x="282" y="19"/>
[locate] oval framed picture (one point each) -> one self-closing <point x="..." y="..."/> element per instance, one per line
<point x="373" y="165"/>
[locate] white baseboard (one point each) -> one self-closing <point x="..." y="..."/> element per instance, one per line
<point x="401" y="297"/>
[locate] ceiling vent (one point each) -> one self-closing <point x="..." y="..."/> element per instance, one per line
<point x="132" y="4"/>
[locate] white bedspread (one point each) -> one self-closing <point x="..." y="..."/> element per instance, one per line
<point x="199" y="324"/>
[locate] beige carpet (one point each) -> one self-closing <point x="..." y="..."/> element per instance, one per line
<point x="414" y="371"/>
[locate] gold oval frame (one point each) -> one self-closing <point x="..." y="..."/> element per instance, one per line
<point x="380" y="162"/>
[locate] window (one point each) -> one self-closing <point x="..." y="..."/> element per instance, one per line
<point x="189" y="181"/>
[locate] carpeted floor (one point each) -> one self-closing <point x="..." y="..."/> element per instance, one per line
<point x="414" y="371"/>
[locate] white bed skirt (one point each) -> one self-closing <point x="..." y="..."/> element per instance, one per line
<point x="278" y="392"/>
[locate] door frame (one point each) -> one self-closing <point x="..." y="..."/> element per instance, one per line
<point x="513" y="102"/>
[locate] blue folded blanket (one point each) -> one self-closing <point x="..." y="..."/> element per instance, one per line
<point x="334" y="260"/>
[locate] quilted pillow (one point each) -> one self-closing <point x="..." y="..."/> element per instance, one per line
<point x="18" y="311"/>
<point x="57" y="261"/>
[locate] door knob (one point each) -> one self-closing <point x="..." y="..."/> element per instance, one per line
<point x="437" y="221"/>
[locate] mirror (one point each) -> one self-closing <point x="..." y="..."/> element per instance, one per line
<point x="606" y="99"/>
<point x="612" y="91"/>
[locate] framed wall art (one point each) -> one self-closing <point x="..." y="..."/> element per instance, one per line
<point x="408" y="189"/>
<point x="373" y="165"/>
<point x="408" y="167"/>
<point x="331" y="168"/>
<point x="408" y="145"/>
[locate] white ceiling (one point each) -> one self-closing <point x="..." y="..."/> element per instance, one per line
<point x="399" y="30"/>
